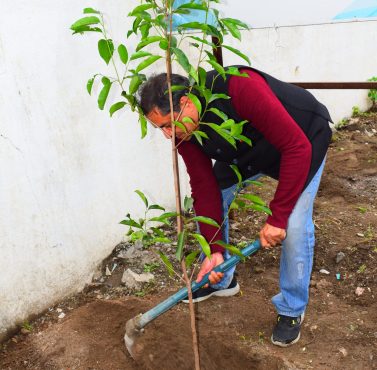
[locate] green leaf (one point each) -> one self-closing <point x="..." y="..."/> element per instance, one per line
<point x="164" y="217"/>
<point x="219" y="113"/>
<point x="131" y="223"/>
<point x="146" y="63"/>
<point x="89" y="84"/>
<point x="162" y="240"/>
<point x="143" y="125"/>
<point x="223" y="133"/>
<point x="193" y="6"/>
<point x="245" y="139"/>
<point x="199" y="135"/>
<point x="180" y="125"/>
<point x="202" y="76"/>
<point x="188" y="203"/>
<point x="147" y="41"/>
<point x="227" y="124"/>
<point x="164" y="44"/>
<point x="232" y="29"/>
<point x="116" y="107"/>
<point x="236" y="22"/>
<point x="237" y="52"/>
<point x="217" y="67"/>
<point x="231" y="248"/>
<point x="166" y="262"/>
<point x="234" y="71"/>
<point x="86" y="21"/>
<point x="83" y="29"/>
<point x="141" y="8"/>
<point x="195" y="25"/>
<point x="182" y="59"/>
<point x="196" y="102"/>
<point x="104" y="93"/>
<point x="177" y="88"/>
<point x="139" y="54"/>
<point x="135" y="82"/>
<point x="123" y="53"/>
<point x="204" y="244"/>
<point x="106" y="49"/>
<point x="191" y="258"/>
<point x="205" y="220"/>
<point x="253" y="182"/>
<point x="218" y="96"/>
<point x="91" y="11"/>
<point x="237" y="172"/>
<point x="254" y="198"/>
<point x="187" y="119"/>
<point x="138" y="235"/>
<point x="156" y="206"/>
<point x="158" y="232"/>
<point x="142" y="196"/>
<point x="194" y="74"/>
<point x="259" y="208"/>
<point x="180" y="244"/>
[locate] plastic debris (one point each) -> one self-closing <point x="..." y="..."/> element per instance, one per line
<point x="323" y="271"/>
<point x="62" y="315"/>
<point x="108" y="272"/>
<point x="337" y="276"/>
<point x="359" y="291"/>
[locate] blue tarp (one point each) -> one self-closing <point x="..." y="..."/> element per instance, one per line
<point x="194" y="16"/>
<point x="359" y="9"/>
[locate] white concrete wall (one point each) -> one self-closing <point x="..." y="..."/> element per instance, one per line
<point x="335" y="52"/>
<point x="68" y="171"/>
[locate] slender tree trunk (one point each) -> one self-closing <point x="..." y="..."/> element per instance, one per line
<point x="179" y="208"/>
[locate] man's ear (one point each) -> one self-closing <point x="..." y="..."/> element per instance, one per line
<point x="184" y="100"/>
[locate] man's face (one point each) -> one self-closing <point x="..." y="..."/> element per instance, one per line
<point x="188" y="109"/>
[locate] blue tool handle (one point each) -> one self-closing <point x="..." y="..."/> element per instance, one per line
<point x="164" y="306"/>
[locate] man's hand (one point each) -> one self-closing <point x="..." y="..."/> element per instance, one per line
<point x="270" y="236"/>
<point x="209" y="264"/>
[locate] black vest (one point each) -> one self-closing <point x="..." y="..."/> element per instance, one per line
<point x="263" y="157"/>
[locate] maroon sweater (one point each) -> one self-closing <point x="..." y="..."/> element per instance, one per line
<point x="254" y="101"/>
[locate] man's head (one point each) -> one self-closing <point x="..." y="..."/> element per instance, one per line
<point x="154" y="102"/>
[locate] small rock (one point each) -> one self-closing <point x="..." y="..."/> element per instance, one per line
<point x="339" y="257"/>
<point x="313" y="327"/>
<point x="361" y="235"/>
<point x="61" y="316"/>
<point x="134" y="281"/>
<point x="235" y="226"/>
<point x="25" y="331"/>
<point x="323" y="283"/>
<point x="323" y="271"/>
<point x="258" y="269"/>
<point x="343" y="351"/>
<point x="108" y="272"/>
<point x="59" y="310"/>
<point x="359" y="291"/>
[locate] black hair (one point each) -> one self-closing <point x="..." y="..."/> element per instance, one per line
<point x="154" y="93"/>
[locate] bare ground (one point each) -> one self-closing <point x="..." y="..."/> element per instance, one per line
<point x="340" y="327"/>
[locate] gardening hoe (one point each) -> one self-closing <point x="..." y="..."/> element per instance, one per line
<point x="135" y="325"/>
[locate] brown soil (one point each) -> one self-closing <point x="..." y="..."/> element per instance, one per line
<point x="340" y="327"/>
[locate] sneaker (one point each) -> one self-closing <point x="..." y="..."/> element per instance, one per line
<point x="204" y="293"/>
<point x="287" y="330"/>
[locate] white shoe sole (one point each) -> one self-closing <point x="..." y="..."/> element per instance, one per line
<point x="218" y="293"/>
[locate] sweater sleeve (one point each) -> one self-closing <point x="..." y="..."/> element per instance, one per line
<point x="204" y="190"/>
<point x="254" y="101"/>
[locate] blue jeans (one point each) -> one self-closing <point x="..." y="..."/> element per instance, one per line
<point x="296" y="259"/>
